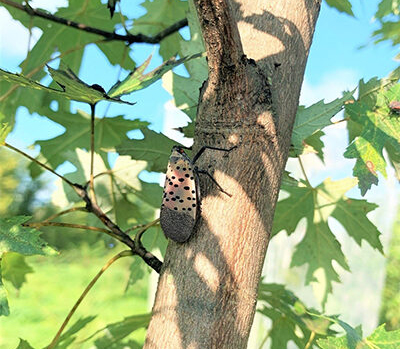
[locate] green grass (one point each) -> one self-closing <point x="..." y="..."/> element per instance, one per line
<point x="40" y="307"/>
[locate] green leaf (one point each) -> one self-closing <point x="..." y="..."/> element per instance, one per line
<point x="314" y="118"/>
<point x="16" y="238"/>
<point x="387" y="7"/>
<point x="379" y="339"/>
<point x="319" y="246"/>
<point x="68" y="336"/>
<point x="377" y="128"/>
<point x="155" y="148"/>
<point x="185" y="90"/>
<point x="116" y="332"/>
<point x="72" y="87"/>
<point x="341" y="6"/>
<point x="15" y="268"/>
<point x="70" y="43"/>
<point x="120" y="193"/>
<point x="160" y="15"/>
<point x="4" y="308"/>
<point x="290" y="320"/>
<point x="23" y="344"/>
<point x="78" y="90"/>
<point x="5" y="129"/>
<point x="136" y="273"/>
<point x="313" y="144"/>
<point x="109" y="132"/>
<point x="137" y="80"/>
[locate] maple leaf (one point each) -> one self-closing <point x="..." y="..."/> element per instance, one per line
<point x="319" y="247"/>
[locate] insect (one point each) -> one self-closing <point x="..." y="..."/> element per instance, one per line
<point x="180" y="206"/>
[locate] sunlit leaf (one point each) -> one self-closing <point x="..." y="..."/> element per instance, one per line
<point x="314" y="118"/>
<point x="138" y="80"/>
<point x="23" y="344"/>
<point x="376" y="129"/>
<point x="25" y="240"/>
<point x="379" y="339"/>
<point x="15" y="268"/>
<point x="341" y="5"/>
<point x="155" y="148"/>
<point x="72" y="87"/>
<point x="4" y="308"/>
<point x="319" y="247"/>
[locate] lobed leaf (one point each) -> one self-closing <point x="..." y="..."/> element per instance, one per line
<point x="137" y="80"/>
<point x="109" y="132"/>
<point x="25" y="240"/>
<point x="72" y="87"/>
<point x="319" y="246"/>
<point x="290" y="318"/>
<point x="314" y="118"/>
<point x="379" y="339"/>
<point x="155" y="148"/>
<point x="373" y="128"/>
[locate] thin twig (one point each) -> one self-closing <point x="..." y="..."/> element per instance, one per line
<point x="304" y="172"/>
<point x="91" y="206"/>
<point x="129" y="38"/>
<point x="58" y="214"/>
<point x="40" y="164"/>
<point x="310" y="340"/>
<point x="117" y="233"/>
<point x="83" y="295"/>
<point x="139" y="234"/>
<point x="134" y="228"/>
<point x="91" y="180"/>
<point x="66" y="225"/>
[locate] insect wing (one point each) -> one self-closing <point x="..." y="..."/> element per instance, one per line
<point x="179" y="204"/>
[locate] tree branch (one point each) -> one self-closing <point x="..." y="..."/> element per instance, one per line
<point x="39" y="163"/>
<point x="220" y="33"/>
<point x="117" y="233"/>
<point x="91" y="206"/>
<point x="129" y="38"/>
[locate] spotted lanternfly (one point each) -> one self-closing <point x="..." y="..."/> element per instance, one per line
<point x="180" y="206"/>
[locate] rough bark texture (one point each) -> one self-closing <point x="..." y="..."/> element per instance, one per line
<point x="207" y="289"/>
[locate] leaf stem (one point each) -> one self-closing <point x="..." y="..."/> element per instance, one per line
<point x="58" y="214"/>
<point x="40" y="164"/>
<point x="91" y="180"/>
<point x="129" y="38"/>
<point x="304" y="172"/>
<point x="84" y="293"/>
<point x="67" y="225"/>
<point x="310" y="340"/>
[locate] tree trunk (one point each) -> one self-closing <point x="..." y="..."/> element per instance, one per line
<point x="207" y="290"/>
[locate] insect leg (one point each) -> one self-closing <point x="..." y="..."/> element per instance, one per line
<point x="203" y="148"/>
<point x="214" y="181"/>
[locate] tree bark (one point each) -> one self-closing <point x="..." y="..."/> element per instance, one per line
<point x="257" y="51"/>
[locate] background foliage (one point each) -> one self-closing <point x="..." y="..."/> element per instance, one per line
<point x="126" y="147"/>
